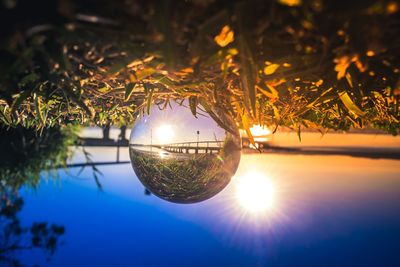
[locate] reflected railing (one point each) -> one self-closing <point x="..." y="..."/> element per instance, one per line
<point x="204" y="147"/>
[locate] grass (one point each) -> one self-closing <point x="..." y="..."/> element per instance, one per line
<point x="186" y="178"/>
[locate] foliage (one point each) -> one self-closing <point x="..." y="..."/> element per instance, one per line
<point x="319" y="64"/>
<point x="15" y="238"/>
<point x="26" y="153"/>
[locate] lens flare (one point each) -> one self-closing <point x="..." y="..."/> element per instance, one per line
<point x="255" y="192"/>
<point x="165" y="134"/>
<point x="258" y="130"/>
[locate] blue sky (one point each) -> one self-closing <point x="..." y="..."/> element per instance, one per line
<point x="327" y="210"/>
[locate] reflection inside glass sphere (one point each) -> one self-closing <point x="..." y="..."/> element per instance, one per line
<point x="182" y="158"/>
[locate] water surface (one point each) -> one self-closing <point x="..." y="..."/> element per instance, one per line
<point x="326" y="210"/>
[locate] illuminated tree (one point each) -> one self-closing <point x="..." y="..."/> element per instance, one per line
<point x="320" y="64"/>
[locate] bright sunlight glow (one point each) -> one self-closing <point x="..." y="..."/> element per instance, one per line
<point x="165" y="134"/>
<point x="255" y="192"/>
<point x="258" y="130"/>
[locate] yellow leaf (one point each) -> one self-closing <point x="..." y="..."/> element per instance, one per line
<point x="342" y="64"/>
<point x="320" y="81"/>
<point x="232" y="51"/>
<point x="141" y="74"/>
<point x="268" y="70"/>
<point x="350" y="105"/>
<point x="273" y="90"/>
<point x="348" y="78"/>
<point x="268" y="94"/>
<point x="290" y="2"/>
<point x="184" y="72"/>
<point x="225" y="37"/>
<point x="246" y="126"/>
<point x="370" y="53"/>
<point x="188" y="70"/>
<point x="275" y="82"/>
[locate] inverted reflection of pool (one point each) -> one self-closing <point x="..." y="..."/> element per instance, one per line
<point x="327" y="210"/>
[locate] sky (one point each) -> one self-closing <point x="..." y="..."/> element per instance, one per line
<point x="175" y="125"/>
<point x="325" y="210"/>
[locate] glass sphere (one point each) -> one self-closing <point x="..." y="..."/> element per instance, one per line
<point x="182" y="158"/>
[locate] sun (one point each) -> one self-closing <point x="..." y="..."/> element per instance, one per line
<point x="165" y="134"/>
<point x="255" y="192"/>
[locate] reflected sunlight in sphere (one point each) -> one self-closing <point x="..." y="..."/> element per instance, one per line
<point x="255" y="192"/>
<point x="182" y="158"/>
<point x="165" y="134"/>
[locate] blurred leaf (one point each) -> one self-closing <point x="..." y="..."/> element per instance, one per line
<point x="270" y="69"/>
<point x="276" y="113"/>
<point x="350" y="104"/>
<point x="290" y="2"/>
<point x="299" y="132"/>
<point x="79" y="102"/>
<point x="208" y="109"/>
<point x="29" y="78"/>
<point x="128" y="90"/>
<point x="149" y="99"/>
<point x="193" y="105"/>
<point x="140" y="75"/>
<point x="225" y="37"/>
<point x="116" y="68"/>
<point x="246" y="126"/>
<point x="163" y="79"/>
<point x="96" y="179"/>
<point x="162" y="24"/>
<point x="273" y="94"/>
<point x="247" y="74"/>
<point x="23" y="96"/>
<point x="349" y="80"/>
<point x="103" y="89"/>
<point x="310" y="124"/>
<point x="113" y="107"/>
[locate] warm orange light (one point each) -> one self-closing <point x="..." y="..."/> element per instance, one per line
<point x="259" y="131"/>
<point x="255" y="192"/>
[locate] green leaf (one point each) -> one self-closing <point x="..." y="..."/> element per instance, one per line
<point x="104" y="89"/>
<point x="350" y="105"/>
<point x="150" y="99"/>
<point x="193" y="105"/>
<point x="208" y="109"/>
<point x="29" y="78"/>
<point x="74" y="98"/>
<point x="162" y="23"/>
<point x="23" y="96"/>
<point x="248" y="72"/>
<point x="96" y="179"/>
<point x="113" y="107"/>
<point x="38" y="108"/>
<point x="163" y="79"/>
<point x="129" y="89"/>
<point x="116" y="68"/>
<point x="6" y="118"/>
